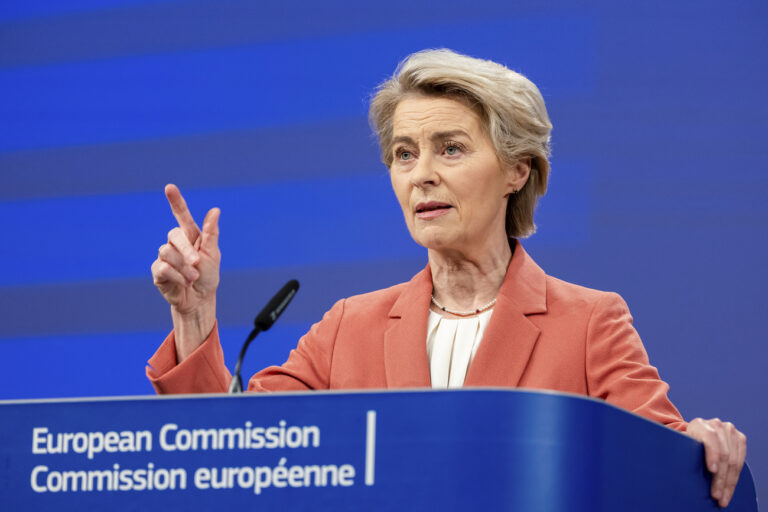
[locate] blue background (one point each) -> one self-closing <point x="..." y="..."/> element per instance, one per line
<point x="657" y="188"/>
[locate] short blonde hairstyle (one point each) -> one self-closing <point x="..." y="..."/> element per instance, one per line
<point x="509" y="104"/>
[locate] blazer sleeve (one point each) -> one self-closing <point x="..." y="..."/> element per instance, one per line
<point x="618" y="369"/>
<point x="308" y="365"/>
<point x="203" y="371"/>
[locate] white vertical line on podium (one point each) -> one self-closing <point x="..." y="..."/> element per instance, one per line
<point x="370" y="446"/>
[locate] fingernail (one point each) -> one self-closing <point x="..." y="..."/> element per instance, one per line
<point x="713" y="468"/>
<point x="717" y="494"/>
<point x="192" y="274"/>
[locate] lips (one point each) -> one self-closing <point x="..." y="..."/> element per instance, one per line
<point x="431" y="205"/>
<point x="432" y="209"/>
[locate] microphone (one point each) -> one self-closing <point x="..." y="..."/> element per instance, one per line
<point x="263" y="322"/>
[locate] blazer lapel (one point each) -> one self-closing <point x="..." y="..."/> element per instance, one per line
<point x="507" y="344"/>
<point x="510" y="337"/>
<point x="405" y="340"/>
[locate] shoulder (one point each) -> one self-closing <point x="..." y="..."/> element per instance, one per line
<point x="392" y="299"/>
<point x="356" y="315"/>
<point x="601" y="316"/>
<point x="374" y="302"/>
<point x="375" y="307"/>
<point x="362" y="314"/>
<point x="562" y="294"/>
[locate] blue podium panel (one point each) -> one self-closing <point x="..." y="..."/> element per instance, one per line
<point x="412" y="450"/>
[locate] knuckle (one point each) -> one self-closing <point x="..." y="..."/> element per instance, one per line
<point x="169" y="255"/>
<point x="157" y="268"/>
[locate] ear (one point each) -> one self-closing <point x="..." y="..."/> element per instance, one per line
<point x="517" y="175"/>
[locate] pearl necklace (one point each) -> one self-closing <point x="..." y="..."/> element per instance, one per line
<point x="464" y="313"/>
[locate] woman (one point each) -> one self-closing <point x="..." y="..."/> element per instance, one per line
<point x="466" y="142"/>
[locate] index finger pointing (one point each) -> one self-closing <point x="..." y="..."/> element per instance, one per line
<point x="181" y="212"/>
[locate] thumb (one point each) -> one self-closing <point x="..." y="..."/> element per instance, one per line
<point x="210" y="238"/>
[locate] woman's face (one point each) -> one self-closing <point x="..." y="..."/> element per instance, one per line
<point x="445" y="173"/>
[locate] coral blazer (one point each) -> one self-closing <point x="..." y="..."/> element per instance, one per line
<point x="544" y="333"/>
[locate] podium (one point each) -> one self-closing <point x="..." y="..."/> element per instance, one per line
<point x="467" y="449"/>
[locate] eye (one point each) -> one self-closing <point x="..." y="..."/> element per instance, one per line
<point x="451" y="148"/>
<point x="403" y="154"/>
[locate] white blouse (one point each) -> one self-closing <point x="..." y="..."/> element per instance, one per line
<point x="451" y="345"/>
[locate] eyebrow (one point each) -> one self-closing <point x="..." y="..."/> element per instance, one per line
<point x="435" y="136"/>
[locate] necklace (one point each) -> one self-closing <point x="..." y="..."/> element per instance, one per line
<point x="464" y="313"/>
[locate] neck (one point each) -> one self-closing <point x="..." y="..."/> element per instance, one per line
<point x="464" y="281"/>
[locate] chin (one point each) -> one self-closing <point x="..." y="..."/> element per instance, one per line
<point x="433" y="240"/>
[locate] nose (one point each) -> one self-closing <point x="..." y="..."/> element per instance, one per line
<point x="424" y="172"/>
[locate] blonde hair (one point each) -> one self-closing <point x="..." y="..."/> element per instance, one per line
<point x="509" y="104"/>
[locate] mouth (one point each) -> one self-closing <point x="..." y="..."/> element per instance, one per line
<point x="432" y="209"/>
<point x="431" y="205"/>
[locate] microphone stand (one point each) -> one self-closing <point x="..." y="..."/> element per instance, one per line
<point x="264" y="321"/>
<point x="236" y="386"/>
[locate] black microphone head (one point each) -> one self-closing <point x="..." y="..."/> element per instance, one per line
<point x="276" y="306"/>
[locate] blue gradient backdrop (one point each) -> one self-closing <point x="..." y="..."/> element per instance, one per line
<point x="657" y="188"/>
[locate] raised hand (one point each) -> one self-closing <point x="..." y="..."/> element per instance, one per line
<point x="725" y="449"/>
<point x="186" y="272"/>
